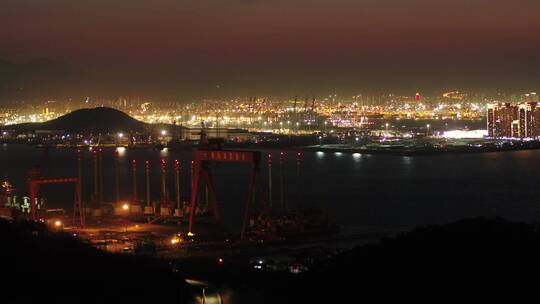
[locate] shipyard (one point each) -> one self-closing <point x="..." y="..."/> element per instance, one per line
<point x="168" y="204"/>
<point x="181" y="223"/>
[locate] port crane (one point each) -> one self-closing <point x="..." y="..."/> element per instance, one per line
<point x="210" y="151"/>
<point x="36" y="180"/>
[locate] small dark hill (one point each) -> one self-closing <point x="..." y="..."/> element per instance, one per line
<point x="96" y="120"/>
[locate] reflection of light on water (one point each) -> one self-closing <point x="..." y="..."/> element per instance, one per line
<point x="407" y="160"/>
<point x="320" y="154"/>
<point x="121" y="151"/>
<point x="205" y="293"/>
<point x="164" y="152"/>
<point x="338" y="154"/>
<point x="357" y="156"/>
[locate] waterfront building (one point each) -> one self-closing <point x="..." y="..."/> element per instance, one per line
<point x="500" y="120"/>
<point x="516" y="121"/>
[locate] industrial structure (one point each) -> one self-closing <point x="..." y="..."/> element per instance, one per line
<point x="37" y="180"/>
<point x="259" y="221"/>
<point x="210" y="151"/>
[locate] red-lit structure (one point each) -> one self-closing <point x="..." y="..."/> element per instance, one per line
<point x="210" y="151"/>
<point x="164" y="192"/>
<point x="147" y="174"/>
<point x="36" y="180"/>
<point x="177" y="167"/>
<point x="134" y="180"/>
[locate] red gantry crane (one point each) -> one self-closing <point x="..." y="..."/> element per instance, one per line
<point x="210" y="151"/>
<point x="36" y="180"/>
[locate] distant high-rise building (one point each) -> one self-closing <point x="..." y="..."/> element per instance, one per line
<point x="500" y="120"/>
<point x="491" y="120"/>
<point x="515" y="129"/>
<point x="529" y="119"/>
<point x="517" y="121"/>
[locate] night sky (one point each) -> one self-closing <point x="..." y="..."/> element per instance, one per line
<point x="280" y="47"/>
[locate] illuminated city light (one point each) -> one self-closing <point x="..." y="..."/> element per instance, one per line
<point x="175" y="240"/>
<point x="463" y="134"/>
<point x="121" y="151"/>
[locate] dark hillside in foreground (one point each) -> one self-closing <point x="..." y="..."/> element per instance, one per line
<point x="58" y="268"/>
<point x="473" y="258"/>
<point x="463" y="260"/>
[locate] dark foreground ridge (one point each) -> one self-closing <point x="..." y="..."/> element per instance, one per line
<point x="57" y="268"/>
<point x="472" y="257"/>
<point x="480" y="257"/>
